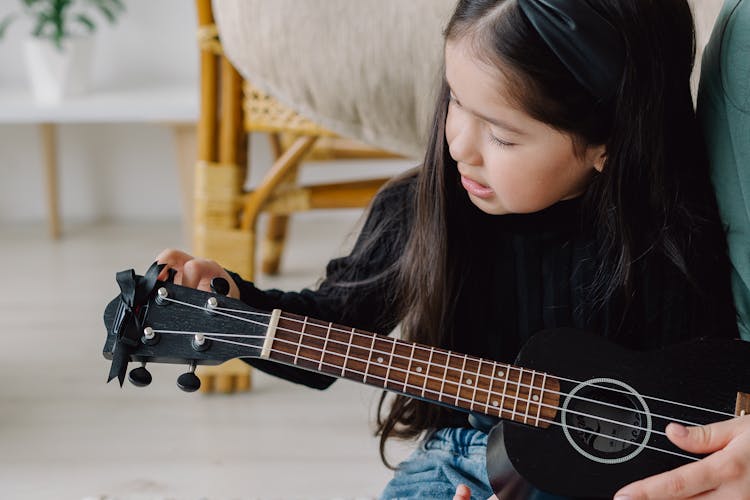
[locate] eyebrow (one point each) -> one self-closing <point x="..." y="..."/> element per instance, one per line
<point x="496" y="122"/>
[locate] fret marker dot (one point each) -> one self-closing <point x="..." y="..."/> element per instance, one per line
<point x="500" y="373"/>
<point x="495" y="403"/>
<point x="380" y="359"/>
<point x="419" y="369"/>
<point x="468" y="381"/>
<point x="535" y="397"/>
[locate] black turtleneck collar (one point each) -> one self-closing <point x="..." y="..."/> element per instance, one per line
<point x="562" y="217"/>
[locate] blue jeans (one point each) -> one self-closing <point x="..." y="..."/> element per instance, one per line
<point x="447" y="458"/>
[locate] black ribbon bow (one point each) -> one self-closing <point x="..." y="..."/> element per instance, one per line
<point x="134" y="292"/>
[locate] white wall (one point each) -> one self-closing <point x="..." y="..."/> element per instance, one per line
<point x="120" y="171"/>
<point x="106" y="171"/>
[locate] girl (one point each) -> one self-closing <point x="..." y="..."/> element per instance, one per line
<point x="565" y="185"/>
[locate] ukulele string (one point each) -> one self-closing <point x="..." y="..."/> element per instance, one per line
<point x="520" y="383"/>
<point x="471" y="402"/>
<point x="516" y="413"/>
<point x="551" y="422"/>
<point x="521" y="370"/>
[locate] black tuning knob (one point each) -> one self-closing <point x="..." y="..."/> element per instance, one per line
<point x="220" y="286"/>
<point x="140" y="377"/>
<point x="188" y="381"/>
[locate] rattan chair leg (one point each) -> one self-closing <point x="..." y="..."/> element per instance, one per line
<point x="275" y="177"/>
<point x="272" y="247"/>
<point x="233" y="376"/>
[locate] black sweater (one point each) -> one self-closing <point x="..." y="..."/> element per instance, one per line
<point x="533" y="274"/>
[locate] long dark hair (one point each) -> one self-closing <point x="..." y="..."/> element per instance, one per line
<point x="651" y="203"/>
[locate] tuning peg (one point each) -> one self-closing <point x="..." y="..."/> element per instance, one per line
<point x="188" y="381"/>
<point x="220" y="286"/>
<point x="140" y="377"/>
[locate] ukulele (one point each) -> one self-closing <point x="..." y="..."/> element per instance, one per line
<point x="580" y="416"/>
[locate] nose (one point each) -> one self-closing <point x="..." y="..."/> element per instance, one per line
<point x="464" y="148"/>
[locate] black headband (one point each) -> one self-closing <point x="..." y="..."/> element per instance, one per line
<point x="585" y="42"/>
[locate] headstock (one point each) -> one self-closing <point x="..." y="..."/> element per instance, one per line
<point x="179" y="325"/>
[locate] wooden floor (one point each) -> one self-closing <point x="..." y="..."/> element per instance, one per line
<point x="65" y="434"/>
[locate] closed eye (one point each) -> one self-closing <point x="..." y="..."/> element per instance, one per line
<point x="499" y="142"/>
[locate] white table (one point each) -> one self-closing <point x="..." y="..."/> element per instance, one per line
<point x="173" y="105"/>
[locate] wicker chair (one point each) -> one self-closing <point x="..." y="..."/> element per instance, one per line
<point x="225" y="215"/>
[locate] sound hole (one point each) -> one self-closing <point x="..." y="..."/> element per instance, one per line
<point x="606" y="425"/>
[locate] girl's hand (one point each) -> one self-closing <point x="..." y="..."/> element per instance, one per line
<point x="724" y="474"/>
<point x="194" y="272"/>
<point x="464" y="493"/>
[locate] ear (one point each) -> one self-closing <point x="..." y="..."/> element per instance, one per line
<point x="597" y="156"/>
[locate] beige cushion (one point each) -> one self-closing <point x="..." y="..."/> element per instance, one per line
<point x="366" y="69"/>
<point x="705" y="13"/>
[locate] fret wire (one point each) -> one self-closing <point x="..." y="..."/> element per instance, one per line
<point x="301" y="337"/>
<point x="325" y="343"/>
<point x="348" y="347"/>
<point x="541" y="398"/>
<point x="531" y="392"/>
<point x="369" y="357"/>
<point x="445" y="375"/>
<point x="489" y="392"/>
<point x="476" y="386"/>
<point x="518" y="393"/>
<point x="462" y="380"/>
<point x="427" y="370"/>
<point x="505" y="389"/>
<point x="408" y="367"/>
<point x="390" y="363"/>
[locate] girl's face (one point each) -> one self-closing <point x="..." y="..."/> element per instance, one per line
<point x="508" y="161"/>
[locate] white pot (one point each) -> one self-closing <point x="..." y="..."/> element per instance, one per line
<point x="55" y="74"/>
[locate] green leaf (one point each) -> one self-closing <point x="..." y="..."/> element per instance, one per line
<point x="58" y="39"/>
<point x="86" y="22"/>
<point x="5" y="23"/>
<point x="41" y="22"/>
<point x="107" y="12"/>
<point x="118" y="4"/>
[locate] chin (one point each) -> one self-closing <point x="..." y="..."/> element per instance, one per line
<point x="490" y="207"/>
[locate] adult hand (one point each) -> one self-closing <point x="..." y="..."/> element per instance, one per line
<point x="194" y="272"/>
<point x="723" y="474"/>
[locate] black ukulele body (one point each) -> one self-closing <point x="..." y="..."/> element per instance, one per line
<point x="566" y="461"/>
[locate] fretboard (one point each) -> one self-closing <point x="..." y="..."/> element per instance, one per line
<point x="417" y="370"/>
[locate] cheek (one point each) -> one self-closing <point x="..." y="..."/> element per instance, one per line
<point x="450" y="126"/>
<point x="526" y="182"/>
<point x="515" y="186"/>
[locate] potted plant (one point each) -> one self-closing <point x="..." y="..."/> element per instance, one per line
<point x="59" y="50"/>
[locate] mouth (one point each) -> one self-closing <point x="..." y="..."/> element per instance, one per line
<point x="476" y="188"/>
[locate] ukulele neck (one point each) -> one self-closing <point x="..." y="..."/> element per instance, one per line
<point x="420" y="371"/>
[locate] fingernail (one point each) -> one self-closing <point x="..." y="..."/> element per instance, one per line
<point x="622" y="497"/>
<point x="678" y="430"/>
